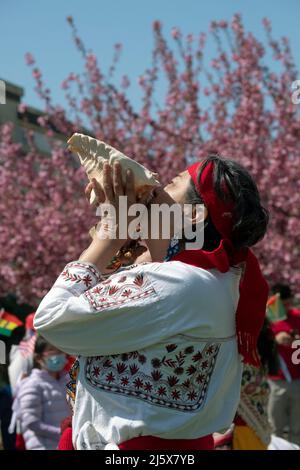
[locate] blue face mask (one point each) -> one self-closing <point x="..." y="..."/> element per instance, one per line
<point x="55" y="363"/>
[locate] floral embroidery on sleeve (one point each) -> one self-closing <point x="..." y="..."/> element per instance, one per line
<point x="118" y="290"/>
<point x="78" y="277"/>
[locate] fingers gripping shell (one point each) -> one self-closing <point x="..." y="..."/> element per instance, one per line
<point x="93" y="154"/>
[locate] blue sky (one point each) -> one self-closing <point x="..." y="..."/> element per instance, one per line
<point x="40" y="27"/>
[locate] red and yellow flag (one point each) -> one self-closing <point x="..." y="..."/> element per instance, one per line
<point x="8" y="323"/>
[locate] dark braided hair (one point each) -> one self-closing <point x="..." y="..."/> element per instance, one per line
<point x="250" y="217"/>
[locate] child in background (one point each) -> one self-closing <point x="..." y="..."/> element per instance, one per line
<point x="40" y="403"/>
<point x="21" y="355"/>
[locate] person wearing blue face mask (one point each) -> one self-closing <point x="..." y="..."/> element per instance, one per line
<point x="55" y="362"/>
<point x="21" y="355"/>
<point x="40" y="404"/>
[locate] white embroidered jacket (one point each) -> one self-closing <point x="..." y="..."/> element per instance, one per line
<point x="157" y="346"/>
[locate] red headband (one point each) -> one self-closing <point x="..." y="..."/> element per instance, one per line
<point x="251" y="309"/>
<point x="219" y="210"/>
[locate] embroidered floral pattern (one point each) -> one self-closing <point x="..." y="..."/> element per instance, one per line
<point x="115" y="291"/>
<point x="178" y="379"/>
<point x="254" y="401"/>
<point x="87" y="278"/>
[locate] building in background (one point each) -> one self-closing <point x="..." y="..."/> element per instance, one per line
<point x="28" y="120"/>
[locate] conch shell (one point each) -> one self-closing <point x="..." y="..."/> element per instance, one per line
<point x="93" y="154"/>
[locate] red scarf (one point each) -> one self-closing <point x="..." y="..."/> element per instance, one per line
<point x="254" y="289"/>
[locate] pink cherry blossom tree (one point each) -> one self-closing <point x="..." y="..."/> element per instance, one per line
<point x="238" y="104"/>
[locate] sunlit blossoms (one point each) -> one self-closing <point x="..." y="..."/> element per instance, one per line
<point x="236" y="103"/>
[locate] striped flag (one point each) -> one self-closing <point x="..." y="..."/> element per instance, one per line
<point x="8" y="323"/>
<point x="26" y="347"/>
<point x="275" y="308"/>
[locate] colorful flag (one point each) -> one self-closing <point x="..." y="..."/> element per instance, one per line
<point x="8" y="323"/>
<point x="275" y="309"/>
<point x="26" y="347"/>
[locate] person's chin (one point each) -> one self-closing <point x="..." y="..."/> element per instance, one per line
<point x="163" y="195"/>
